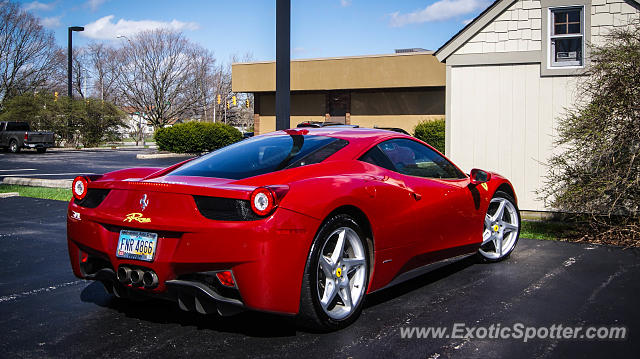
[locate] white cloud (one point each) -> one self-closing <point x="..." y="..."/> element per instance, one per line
<point x="345" y="3"/>
<point x="39" y="6"/>
<point x="94" y="4"/>
<point x="467" y="21"/>
<point x="104" y="28"/>
<point x="438" y="11"/>
<point x="51" y="22"/>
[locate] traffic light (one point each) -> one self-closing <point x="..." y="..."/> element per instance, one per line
<point x="235" y="102"/>
<point x="248" y="104"/>
<point x="55" y="96"/>
<point x="227" y="104"/>
<point x="219" y="99"/>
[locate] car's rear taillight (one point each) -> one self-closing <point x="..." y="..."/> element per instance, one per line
<point x="262" y="201"/>
<point x="26" y="136"/>
<point x="79" y="187"/>
<point x="226" y="278"/>
<point x="265" y="199"/>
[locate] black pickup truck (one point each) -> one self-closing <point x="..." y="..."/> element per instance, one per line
<point x="16" y="136"/>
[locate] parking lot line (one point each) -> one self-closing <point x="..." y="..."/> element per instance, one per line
<point x="19" y="169"/>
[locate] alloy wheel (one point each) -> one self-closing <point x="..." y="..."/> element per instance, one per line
<point x="501" y="226"/>
<point x="342" y="270"/>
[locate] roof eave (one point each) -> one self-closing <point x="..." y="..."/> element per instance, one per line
<point x="475" y="26"/>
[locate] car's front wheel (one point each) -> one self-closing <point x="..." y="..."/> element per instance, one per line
<point x="501" y="228"/>
<point x="336" y="276"/>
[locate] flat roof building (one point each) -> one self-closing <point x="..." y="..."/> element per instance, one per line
<point x="395" y="90"/>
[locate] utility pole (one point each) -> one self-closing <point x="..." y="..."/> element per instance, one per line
<point x="283" y="64"/>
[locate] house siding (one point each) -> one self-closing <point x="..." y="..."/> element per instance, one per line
<point x="517" y="29"/>
<point x="609" y="14"/>
<point x="506" y="123"/>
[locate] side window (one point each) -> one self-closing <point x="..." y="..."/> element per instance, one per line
<point x="376" y="157"/>
<point x="414" y="159"/>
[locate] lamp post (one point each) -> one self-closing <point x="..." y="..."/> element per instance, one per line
<point x="283" y="64"/>
<point x="69" y="58"/>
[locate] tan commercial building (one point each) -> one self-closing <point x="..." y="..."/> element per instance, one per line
<point x="396" y="90"/>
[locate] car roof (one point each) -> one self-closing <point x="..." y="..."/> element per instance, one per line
<point x="346" y="133"/>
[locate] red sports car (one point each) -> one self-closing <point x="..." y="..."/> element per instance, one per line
<point x="302" y="222"/>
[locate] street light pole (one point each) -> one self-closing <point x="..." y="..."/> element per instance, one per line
<point x="69" y="59"/>
<point x="283" y="64"/>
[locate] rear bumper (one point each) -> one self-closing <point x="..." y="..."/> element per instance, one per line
<point x="267" y="258"/>
<point x="37" y="145"/>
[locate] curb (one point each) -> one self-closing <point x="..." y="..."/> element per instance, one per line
<point x="142" y="156"/>
<point x="57" y="149"/>
<point x="9" y="194"/>
<point x="37" y="182"/>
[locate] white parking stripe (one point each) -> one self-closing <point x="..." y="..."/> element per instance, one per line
<point x="8" y="298"/>
<point x="19" y="169"/>
<point x="49" y="174"/>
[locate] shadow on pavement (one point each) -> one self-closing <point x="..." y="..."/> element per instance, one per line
<point x="251" y="323"/>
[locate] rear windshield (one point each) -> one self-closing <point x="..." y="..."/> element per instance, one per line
<point x="260" y="155"/>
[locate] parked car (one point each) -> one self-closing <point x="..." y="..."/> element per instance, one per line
<point x="17" y="135"/>
<point x="303" y="222"/>
<point x="317" y="124"/>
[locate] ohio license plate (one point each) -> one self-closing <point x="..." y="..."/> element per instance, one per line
<point x="137" y="245"/>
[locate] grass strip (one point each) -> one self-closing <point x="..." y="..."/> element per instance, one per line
<point x="58" y="194"/>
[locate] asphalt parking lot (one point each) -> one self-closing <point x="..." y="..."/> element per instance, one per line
<point x="46" y="312"/>
<point x="67" y="164"/>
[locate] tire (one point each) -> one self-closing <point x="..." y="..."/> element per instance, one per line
<point x="13" y="146"/>
<point x="42" y="150"/>
<point x="500" y="230"/>
<point x="348" y="277"/>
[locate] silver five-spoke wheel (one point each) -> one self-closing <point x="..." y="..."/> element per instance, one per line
<point x="342" y="271"/>
<point x="501" y="228"/>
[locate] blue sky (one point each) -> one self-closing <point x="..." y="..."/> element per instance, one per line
<point x="320" y="28"/>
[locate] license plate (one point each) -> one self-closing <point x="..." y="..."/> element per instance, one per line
<point x="137" y="245"/>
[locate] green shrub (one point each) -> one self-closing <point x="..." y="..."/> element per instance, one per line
<point x="431" y="132"/>
<point x="196" y="137"/>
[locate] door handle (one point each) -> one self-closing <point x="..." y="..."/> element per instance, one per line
<point x="415" y="195"/>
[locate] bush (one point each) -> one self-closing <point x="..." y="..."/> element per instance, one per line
<point x="596" y="173"/>
<point x="431" y="132"/>
<point x="87" y="121"/>
<point x="196" y="137"/>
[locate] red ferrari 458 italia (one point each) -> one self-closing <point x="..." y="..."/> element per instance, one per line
<point x="302" y="222"/>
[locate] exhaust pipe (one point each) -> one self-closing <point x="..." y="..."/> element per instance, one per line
<point x="150" y="279"/>
<point x="124" y="275"/>
<point x="136" y="277"/>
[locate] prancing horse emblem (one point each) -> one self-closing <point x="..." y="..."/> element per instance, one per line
<point x="144" y="202"/>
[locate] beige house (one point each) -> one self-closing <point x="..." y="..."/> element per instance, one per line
<point x="511" y="73"/>
<point x="394" y="90"/>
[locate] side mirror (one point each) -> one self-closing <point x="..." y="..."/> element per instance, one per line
<point x="479" y="176"/>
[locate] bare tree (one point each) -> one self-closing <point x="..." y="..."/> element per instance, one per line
<point x="80" y="71"/>
<point x="28" y="54"/>
<point x="162" y="75"/>
<point x="103" y="65"/>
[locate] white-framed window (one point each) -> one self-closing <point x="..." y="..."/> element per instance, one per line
<point x="566" y="36"/>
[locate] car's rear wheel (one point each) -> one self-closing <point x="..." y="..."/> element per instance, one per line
<point x="501" y="228"/>
<point x="336" y="276"/>
<point x="42" y="150"/>
<point x="13" y="146"/>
